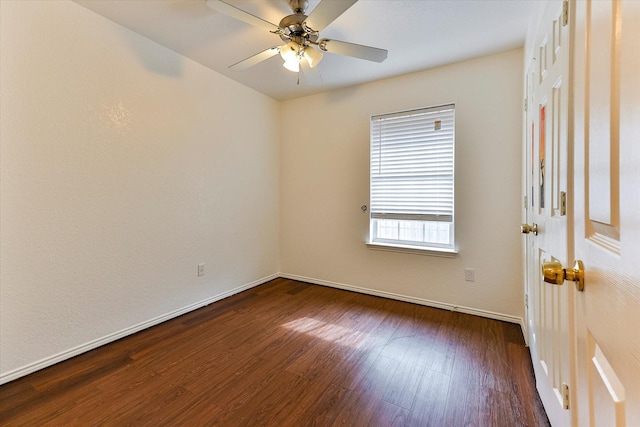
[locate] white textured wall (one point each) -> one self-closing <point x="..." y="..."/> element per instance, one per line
<point x="123" y="166"/>
<point x="324" y="181"/>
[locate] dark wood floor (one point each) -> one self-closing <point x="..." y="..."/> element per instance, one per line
<point x="292" y="354"/>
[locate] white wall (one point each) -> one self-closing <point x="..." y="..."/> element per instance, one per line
<point x="123" y="166"/>
<point x="324" y="181"/>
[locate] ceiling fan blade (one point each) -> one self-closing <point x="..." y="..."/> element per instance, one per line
<point x="241" y="15"/>
<point x="326" y="12"/>
<point x="352" y="49"/>
<point x="255" y="59"/>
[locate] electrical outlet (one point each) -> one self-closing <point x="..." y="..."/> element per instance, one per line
<point x="200" y="270"/>
<point x="469" y="275"/>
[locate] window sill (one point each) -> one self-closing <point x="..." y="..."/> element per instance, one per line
<point x="420" y="250"/>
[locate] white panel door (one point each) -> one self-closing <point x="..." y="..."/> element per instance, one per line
<point x="548" y="318"/>
<point x="606" y="115"/>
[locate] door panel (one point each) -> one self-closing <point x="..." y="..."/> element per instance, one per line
<point x="548" y="318"/>
<point x="607" y="211"/>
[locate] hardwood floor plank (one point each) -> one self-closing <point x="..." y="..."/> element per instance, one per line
<point x="60" y="380"/>
<point x="389" y="415"/>
<point x="512" y="333"/>
<point x="198" y="410"/>
<point x="16" y="397"/>
<point x="493" y="412"/>
<point x="49" y="407"/>
<point x="124" y="394"/>
<point x="464" y="404"/>
<point x="288" y="353"/>
<point x="322" y="411"/>
<point x="431" y="399"/>
<point x="407" y="378"/>
<point x="495" y="362"/>
<point x="270" y="403"/>
<point x="359" y="411"/>
<point x="300" y="402"/>
<point x="358" y="363"/>
<point x="525" y="401"/>
<point x="469" y="367"/>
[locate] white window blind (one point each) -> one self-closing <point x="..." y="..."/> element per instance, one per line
<point x="412" y="164"/>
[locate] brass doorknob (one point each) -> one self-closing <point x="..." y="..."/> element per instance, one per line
<point x="554" y="273"/>
<point x="526" y="229"/>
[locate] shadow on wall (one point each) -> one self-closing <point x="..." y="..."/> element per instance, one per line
<point x="154" y="60"/>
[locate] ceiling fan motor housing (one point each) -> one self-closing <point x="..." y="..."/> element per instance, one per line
<point x="294" y="29"/>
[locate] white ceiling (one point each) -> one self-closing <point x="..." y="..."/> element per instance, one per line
<point x="418" y="34"/>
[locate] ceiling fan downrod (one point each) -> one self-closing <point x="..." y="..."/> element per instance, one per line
<point x="298" y="6"/>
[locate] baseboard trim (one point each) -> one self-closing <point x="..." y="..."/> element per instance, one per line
<point x="405" y="298"/>
<point x="68" y="354"/>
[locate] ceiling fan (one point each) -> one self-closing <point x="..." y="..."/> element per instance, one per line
<point x="303" y="49"/>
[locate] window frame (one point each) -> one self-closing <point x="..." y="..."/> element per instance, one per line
<point x="412" y="212"/>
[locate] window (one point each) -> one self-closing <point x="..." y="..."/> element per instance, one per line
<point x="412" y="179"/>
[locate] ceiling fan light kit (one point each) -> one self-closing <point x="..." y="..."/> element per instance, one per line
<point x="293" y="53"/>
<point x="313" y="56"/>
<point x="300" y="33"/>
